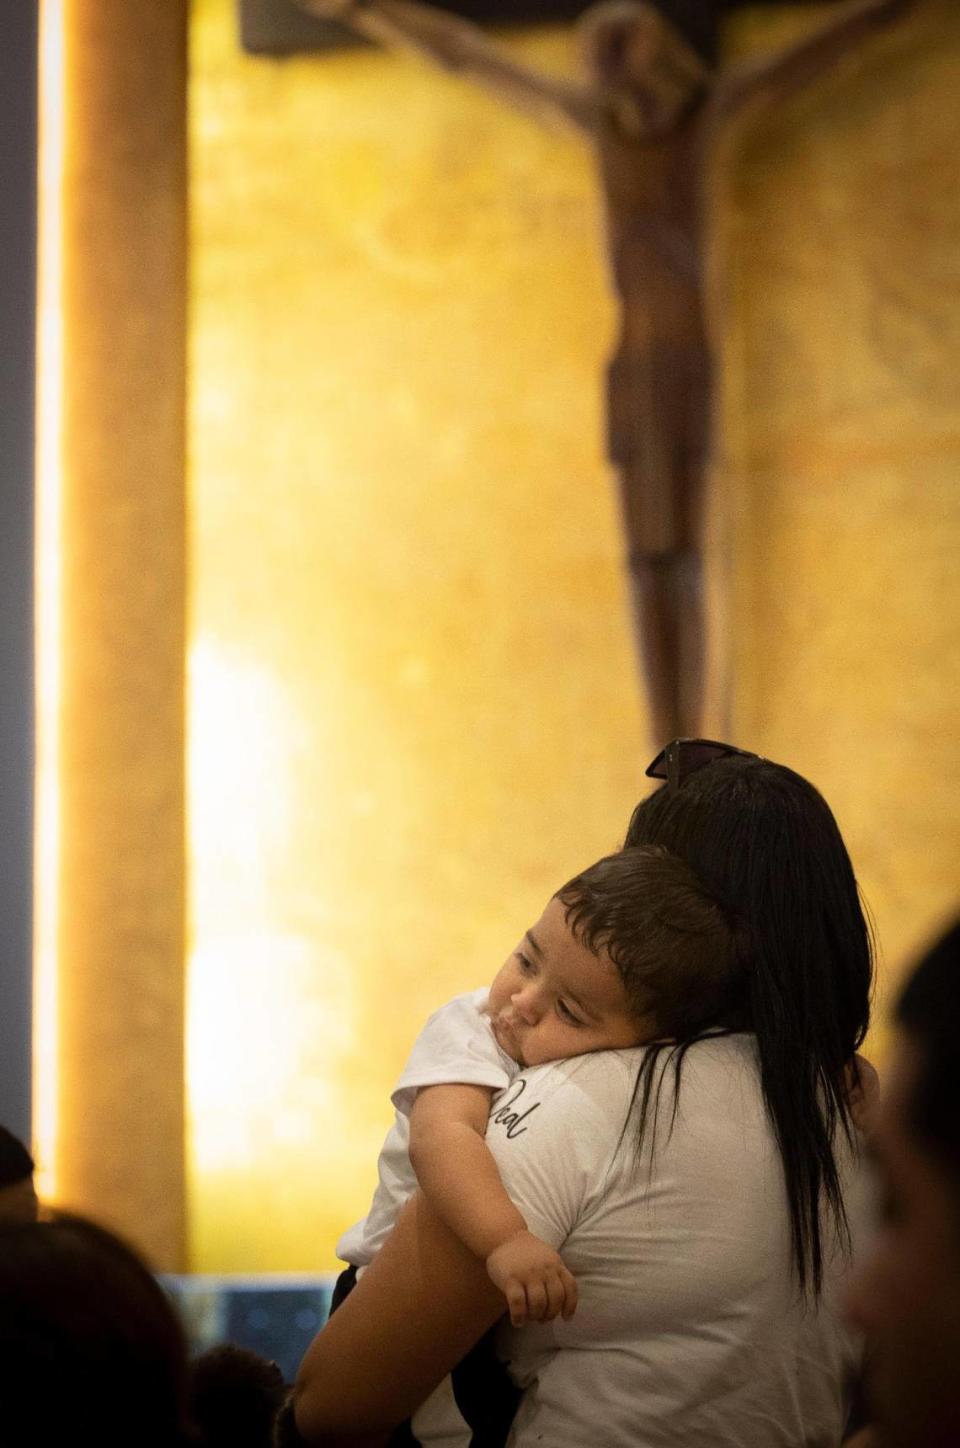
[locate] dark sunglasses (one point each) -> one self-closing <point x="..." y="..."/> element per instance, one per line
<point x="685" y="756"/>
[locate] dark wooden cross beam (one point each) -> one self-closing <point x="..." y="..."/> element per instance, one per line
<point x="652" y="109"/>
<point x="281" y="27"/>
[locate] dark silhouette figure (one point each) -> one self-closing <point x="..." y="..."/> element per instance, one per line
<point x="91" y="1350"/>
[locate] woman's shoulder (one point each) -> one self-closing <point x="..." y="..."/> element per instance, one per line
<point x="564" y="1106"/>
<point x="564" y="1136"/>
<point x="604" y="1076"/>
<point x="591" y="1096"/>
<point x="598" y="1076"/>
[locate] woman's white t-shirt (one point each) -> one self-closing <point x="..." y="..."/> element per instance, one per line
<point x="689" y="1330"/>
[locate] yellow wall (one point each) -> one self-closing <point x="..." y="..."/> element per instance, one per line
<point x="413" y="700"/>
<point x="414" y="709"/>
<point x="841" y="242"/>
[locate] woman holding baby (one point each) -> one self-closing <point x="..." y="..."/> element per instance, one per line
<point x="696" y="1187"/>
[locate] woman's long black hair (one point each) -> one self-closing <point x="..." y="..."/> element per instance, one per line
<point x="765" y="842"/>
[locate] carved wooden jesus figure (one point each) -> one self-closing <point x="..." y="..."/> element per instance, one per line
<point x="652" y="110"/>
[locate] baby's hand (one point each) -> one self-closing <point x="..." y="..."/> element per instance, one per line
<point x="533" y="1279"/>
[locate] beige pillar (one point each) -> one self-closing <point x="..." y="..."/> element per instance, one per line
<point x="119" y="1151"/>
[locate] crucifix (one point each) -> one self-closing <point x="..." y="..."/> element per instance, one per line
<point x="653" y="111"/>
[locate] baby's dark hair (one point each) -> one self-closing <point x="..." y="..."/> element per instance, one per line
<point x="680" y="954"/>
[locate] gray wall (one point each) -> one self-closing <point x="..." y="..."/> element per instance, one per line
<point x="18" y="210"/>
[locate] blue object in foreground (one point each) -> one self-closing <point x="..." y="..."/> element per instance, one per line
<point x="274" y="1314"/>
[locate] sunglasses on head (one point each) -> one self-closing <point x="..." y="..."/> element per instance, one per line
<point x="685" y="756"/>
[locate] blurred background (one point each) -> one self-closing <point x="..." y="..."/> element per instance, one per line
<point x="334" y="672"/>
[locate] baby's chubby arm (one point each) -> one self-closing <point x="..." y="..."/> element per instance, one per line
<point x="459" y="1177"/>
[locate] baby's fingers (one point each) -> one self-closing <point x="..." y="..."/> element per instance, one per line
<point x="569" y="1283"/>
<point x="516" y="1301"/>
<point x="555" y="1292"/>
<point x="537" y="1300"/>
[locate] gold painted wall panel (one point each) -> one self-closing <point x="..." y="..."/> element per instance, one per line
<point x="842" y="245"/>
<point x="110" y="1102"/>
<point x="413" y="701"/>
<point x="414" y="708"/>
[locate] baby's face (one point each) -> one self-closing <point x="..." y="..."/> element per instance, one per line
<point x="554" y="998"/>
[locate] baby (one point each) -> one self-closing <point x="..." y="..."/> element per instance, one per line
<point x="631" y="949"/>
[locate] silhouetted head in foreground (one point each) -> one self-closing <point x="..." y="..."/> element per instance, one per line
<point x="235" y="1395"/>
<point x="906" y="1293"/>
<point x="90" y="1347"/>
<point x="18" y="1199"/>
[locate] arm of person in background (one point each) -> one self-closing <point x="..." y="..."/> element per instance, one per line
<point x="414" y="1313"/>
<point x="459" y="1177"/>
<point x="463" y="48"/>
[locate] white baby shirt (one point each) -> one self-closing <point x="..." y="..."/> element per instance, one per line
<point x="456" y="1046"/>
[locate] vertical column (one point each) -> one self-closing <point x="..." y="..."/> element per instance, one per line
<point x="119" y="1095"/>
